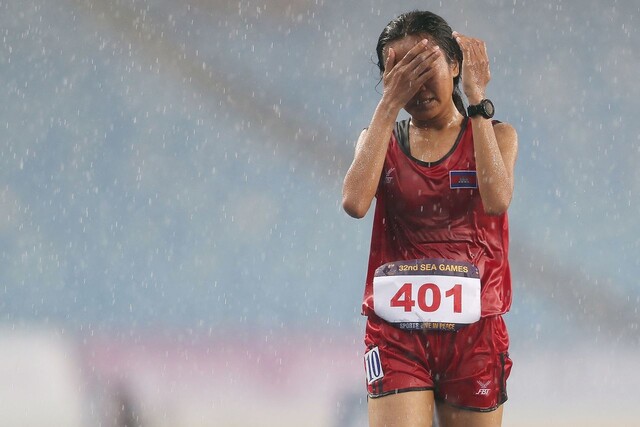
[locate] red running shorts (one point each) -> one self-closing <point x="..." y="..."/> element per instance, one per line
<point x="467" y="368"/>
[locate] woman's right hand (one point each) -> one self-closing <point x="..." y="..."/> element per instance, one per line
<point x="404" y="78"/>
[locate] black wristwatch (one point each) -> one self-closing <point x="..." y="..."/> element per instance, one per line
<point x="485" y="109"/>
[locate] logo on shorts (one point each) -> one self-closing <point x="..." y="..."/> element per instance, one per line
<point x="373" y="365"/>
<point x="483" y="390"/>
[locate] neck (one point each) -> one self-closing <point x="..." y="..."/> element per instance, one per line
<point x="439" y="123"/>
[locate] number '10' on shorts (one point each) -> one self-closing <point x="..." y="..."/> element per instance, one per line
<point x="467" y="368"/>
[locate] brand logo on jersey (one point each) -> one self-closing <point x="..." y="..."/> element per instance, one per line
<point x="463" y="179"/>
<point x="373" y="365"/>
<point x="483" y="390"/>
<point x="388" y="177"/>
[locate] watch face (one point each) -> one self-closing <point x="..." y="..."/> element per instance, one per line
<point x="485" y="108"/>
<point x="489" y="108"/>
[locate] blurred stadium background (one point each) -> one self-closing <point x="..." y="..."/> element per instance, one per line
<point x="172" y="244"/>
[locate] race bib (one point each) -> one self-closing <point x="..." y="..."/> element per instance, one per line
<point x="427" y="294"/>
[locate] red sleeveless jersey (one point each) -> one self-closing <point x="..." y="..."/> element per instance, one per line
<point x="434" y="210"/>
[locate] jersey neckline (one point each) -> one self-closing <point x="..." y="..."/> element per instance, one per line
<point x="402" y="136"/>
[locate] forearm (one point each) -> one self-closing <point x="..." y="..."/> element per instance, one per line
<point x="495" y="147"/>
<point x="362" y="178"/>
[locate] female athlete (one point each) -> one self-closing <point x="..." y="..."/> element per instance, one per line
<point x="438" y="280"/>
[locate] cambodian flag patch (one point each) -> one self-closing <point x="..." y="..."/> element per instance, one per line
<point x="463" y="179"/>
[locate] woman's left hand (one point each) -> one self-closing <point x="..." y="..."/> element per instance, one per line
<point x="475" y="67"/>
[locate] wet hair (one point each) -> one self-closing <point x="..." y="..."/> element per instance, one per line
<point x="434" y="28"/>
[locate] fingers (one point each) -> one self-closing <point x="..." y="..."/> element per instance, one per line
<point x="404" y="76"/>
<point x="415" y="62"/>
<point x="391" y="59"/>
<point x="414" y="52"/>
<point x="425" y="64"/>
<point x="475" y="71"/>
<point x="472" y="49"/>
<point x="464" y="45"/>
<point x="420" y="57"/>
<point x="419" y="53"/>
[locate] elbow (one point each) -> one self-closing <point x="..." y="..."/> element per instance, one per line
<point x="353" y="208"/>
<point x="494" y="211"/>
<point x="497" y="202"/>
<point x="497" y="208"/>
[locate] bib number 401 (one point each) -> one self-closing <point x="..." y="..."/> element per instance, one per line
<point x="429" y="297"/>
